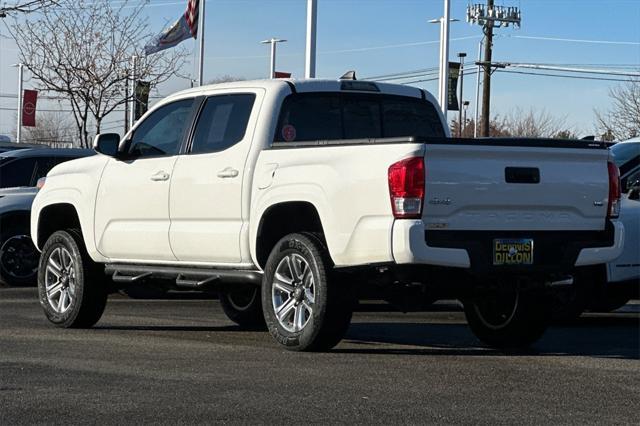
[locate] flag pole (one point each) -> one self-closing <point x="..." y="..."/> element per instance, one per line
<point x="201" y="42"/>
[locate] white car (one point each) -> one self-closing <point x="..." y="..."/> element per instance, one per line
<point x="623" y="273"/>
<point x="290" y="196"/>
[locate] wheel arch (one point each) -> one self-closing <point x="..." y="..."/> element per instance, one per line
<point x="280" y="219"/>
<point x="54" y="217"/>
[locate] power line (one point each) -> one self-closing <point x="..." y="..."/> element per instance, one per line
<point x="577" y="77"/>
<point x="573" y="70"/>
<point x="576" y="40"/>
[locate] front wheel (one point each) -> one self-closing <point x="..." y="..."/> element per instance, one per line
<point x="18" y="256"/>
<point x="71" y="288"/>
<point x="305" y="307"/>
<point x="506" y="319"/>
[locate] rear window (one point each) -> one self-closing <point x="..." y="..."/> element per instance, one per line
<point x="332" y="116"/>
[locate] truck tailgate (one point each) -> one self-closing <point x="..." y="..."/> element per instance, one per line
<point x="518" y="186"/>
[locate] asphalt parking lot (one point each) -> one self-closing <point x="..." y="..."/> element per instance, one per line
<point x="182" y="361"/>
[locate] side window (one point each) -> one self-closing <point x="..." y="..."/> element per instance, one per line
<point x="17" y="173"/>
<point x="222" y="122"/>
<point x="309" y="118"/>
<point x="630" y="179"/>
<point x="161" y="133"/>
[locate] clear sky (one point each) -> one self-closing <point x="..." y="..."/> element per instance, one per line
<point x="376" y="37"/>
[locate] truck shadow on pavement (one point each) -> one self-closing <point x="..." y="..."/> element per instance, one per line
<point x="606" y="337"/>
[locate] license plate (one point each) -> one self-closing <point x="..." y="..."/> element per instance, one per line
<point x="513" y="251"/>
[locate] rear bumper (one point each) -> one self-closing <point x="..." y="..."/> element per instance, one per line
<point x="555" y="251"/>
<point x="597" y="255"/>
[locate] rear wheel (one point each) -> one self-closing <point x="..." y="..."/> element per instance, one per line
<point x="71" y="288"/>
<point x="18" y="256"/>
<point x="305" y="307"/>
<point x="509" y="318"/>
<point x="243" y="305"/>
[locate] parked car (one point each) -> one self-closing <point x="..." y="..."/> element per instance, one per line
<point x="288" y="195"/>
<point x="20" y="170"/>
<point x="623" y="273"/>
<point x="10" y="146"/>
<point x="612" y="285"/>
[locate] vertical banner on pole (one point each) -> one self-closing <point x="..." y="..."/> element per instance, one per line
<point x="29" y="101"/>
<point x="452" y="93"/>
<point x="142" y="98"/>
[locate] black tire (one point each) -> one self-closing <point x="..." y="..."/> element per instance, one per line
<point x="18" y="256"/>
<point x="243" y="305"/>
<point x="331" y="301"/>
<point x="86" y="286"/>
<point x="509" y="319"/>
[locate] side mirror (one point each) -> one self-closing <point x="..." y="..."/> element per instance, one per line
<point x="107" y="143"/>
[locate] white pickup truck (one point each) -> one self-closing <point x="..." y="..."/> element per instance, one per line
<point x="290" y="197"/>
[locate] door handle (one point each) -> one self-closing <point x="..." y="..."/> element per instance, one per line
<point x="229" y="172"/>
<point x="160" y="176"/>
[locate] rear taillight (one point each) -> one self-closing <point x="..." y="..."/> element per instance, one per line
<point x="406" y="188"/>
<point x="613" y="207"/>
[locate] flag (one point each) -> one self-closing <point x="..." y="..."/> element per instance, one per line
<point x="184" y="28"/>
<point x="29" y="101"/>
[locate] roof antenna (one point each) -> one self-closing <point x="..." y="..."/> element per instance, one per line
<point x="349" y="75"/>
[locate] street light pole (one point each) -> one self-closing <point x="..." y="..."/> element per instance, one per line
<point x="20" y="67"/>
<point x="477" y="104"/>
<point x="273" y="41"/>
<point x="461" y="55"/>
<point x="132" y="112"/>
<point x="443" y="73"/>
<point x="310" y="52"/>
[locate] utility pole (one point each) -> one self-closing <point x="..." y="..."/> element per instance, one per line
<point x="461" y="55"/>
<point x="486" y="83"/>
<point x="488" y="17"/>
<point x="273" y="41"/>
<point x="19" y="121"/>
<point x="310" y="52"/>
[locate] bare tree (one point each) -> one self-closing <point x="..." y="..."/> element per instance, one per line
<point x="519" y="123"/>
<point x="82" y="49"/>
<point x="622" y="121"/>
<point x="532" y="124"/>
<point x="26" y="6"/>
<point x="52" y="128"/>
